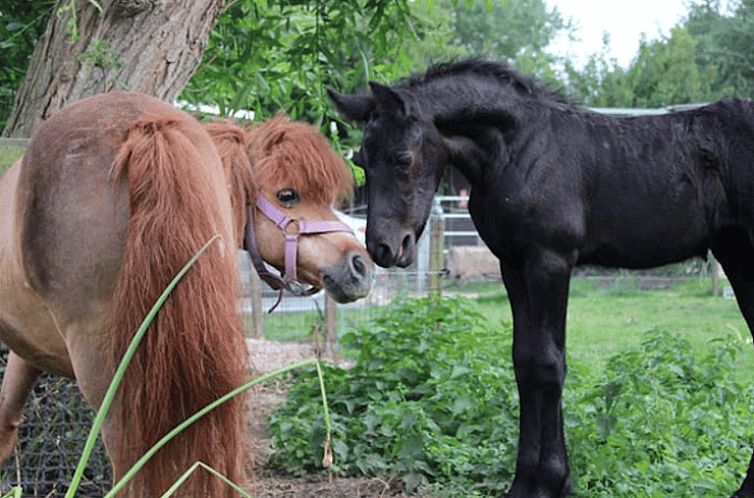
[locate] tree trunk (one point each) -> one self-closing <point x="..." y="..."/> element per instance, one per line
<point x="150" y="46"/>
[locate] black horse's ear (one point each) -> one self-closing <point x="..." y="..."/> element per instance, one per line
<point x="390" y="98"/>
<point x="352" y="107"/>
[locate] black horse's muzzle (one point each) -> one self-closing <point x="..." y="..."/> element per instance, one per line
<point x="392" y="247"/>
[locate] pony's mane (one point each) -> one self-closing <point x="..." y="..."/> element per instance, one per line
<point x="230" y="142"/>
<point x="490" y="69"/>
<point x="297" y="155"/>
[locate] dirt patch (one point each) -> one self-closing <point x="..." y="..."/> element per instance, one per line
<point x="266" y="356"/>
<point x="263" y="401"/>
<point x="275" y="487"/>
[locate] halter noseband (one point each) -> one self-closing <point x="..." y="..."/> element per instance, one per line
<point x="288" y="280"/>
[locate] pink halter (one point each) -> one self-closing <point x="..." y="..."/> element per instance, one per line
<point x="288" y="281"/>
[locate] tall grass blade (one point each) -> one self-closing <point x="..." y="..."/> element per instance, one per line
<point x="14" y="492"/>
<point x="327" y="456"/>
<point x="178" y="483"/>
<point x="196" y="416"/>
<point x="123" y="365"/>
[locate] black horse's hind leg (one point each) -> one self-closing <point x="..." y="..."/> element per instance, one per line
<point x="734" y="249"/>
<point x="538" y="294"/>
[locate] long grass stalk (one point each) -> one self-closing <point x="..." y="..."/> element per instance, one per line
<point x="15" y="492"/>
<point x="327" y="456"/>
<point x="121" y="370"/>
<point x="196" y="416"/>
<point x="201" y="465"/>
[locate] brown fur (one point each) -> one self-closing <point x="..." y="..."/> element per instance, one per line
<point x="296" y="154"/>
<point x="191" y="355"/>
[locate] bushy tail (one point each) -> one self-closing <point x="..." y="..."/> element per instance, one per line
<point x="195" y="350"/>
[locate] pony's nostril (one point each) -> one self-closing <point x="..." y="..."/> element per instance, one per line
<point x="359" y="267"/>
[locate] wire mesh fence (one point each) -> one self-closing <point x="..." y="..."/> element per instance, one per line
<point x="51" y="438"/>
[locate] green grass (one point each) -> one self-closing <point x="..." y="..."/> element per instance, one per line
<point x="8" y="155"/>
<point x="603" y="322"/>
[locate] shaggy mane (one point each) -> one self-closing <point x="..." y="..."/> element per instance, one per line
<point x="491" y="69"/>
<point x="230" y="142"/>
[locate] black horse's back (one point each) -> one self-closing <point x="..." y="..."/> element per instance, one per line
<point x="654" y="196"/>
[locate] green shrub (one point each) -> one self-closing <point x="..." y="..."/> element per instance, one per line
<point x="432" y="399"/>
<point x="662" y="422"/>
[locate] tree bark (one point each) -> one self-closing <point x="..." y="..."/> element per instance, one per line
<point x="150" y="46"/>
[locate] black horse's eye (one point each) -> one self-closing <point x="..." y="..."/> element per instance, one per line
<point x="288" y="197"/>
<point x="403" y="160"/>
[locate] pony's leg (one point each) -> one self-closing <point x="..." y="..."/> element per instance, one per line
<point x="538" y="294"/>
<point x="93" y="375"/>
<point x="734" y="249"/>
<point x="18" y="381"/>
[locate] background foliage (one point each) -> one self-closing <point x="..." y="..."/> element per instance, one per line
<point x="21" y="25"/>
<point x="706" y="57"/>
<point x="274" y="55"/>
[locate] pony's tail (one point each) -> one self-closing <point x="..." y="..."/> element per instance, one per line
<point x="195" y="350"/>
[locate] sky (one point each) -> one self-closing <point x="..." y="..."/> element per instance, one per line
<point x="624" y="20"/>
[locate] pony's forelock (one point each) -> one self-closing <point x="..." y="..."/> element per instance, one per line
<point x="295" y="155"/>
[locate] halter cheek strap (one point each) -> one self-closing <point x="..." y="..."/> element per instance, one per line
<point x="289" y="280"/>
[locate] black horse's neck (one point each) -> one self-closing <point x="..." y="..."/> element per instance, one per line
<point x="478" y="107"/>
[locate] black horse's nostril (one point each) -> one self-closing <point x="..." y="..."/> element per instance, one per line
<point x="406" y="243"/>
<point x="359" y="266"/>
<point x="384" y="253"/>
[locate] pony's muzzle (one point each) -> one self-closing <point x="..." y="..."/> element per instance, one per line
<point x="351" y="279"/>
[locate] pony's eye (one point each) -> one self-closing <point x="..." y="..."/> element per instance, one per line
<point x="288" y="197"/>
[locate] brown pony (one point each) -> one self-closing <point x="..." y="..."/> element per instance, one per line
<point x="114" y="194"/>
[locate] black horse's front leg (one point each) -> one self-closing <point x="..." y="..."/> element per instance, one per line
<point x="538" y="293"/>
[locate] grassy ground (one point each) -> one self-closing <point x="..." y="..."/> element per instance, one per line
<point x="603" y="322"/>
<point x="300" y="325"/>
<point x="8" y="155"/>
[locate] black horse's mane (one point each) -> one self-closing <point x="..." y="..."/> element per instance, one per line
<point x="491" y="69"/>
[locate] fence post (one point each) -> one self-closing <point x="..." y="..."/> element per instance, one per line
<point x="331" y="326"/>
<point x="715" y="270"/>
<point x="257" y="313"/>
<point x="437" y="249"/>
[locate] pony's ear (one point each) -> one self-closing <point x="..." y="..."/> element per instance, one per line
<point x="352" y="107"/>
<point x="391" y="98"/>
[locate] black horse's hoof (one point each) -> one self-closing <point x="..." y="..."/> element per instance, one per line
<point x="564" y="492"/>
